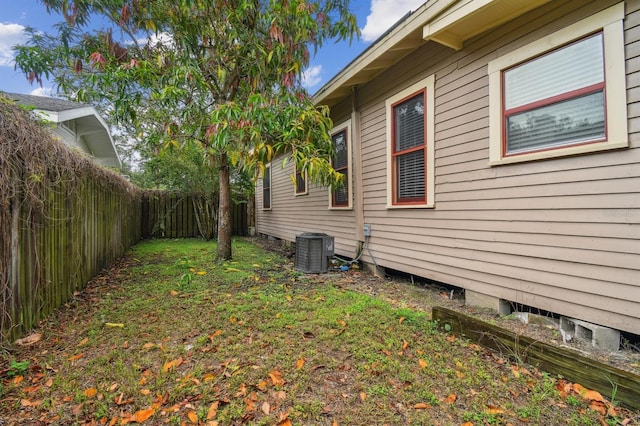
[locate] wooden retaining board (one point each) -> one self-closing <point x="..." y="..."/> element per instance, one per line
<point x="579" y="369"/>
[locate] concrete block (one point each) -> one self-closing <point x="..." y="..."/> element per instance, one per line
<point x="600" y="337"/>
<point x="481" y="300"/>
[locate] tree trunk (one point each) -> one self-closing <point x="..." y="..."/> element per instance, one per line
<point x="224" y="213"/>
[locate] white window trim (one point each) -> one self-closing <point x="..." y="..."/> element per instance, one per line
<point x="427" y="84"/>
<point x="295" y="181"/>
<point x="268" y="167"/>
<point x="610" y="22"/>
<point x="346" y="125"/>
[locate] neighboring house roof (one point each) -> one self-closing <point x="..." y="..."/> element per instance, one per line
<point x="447" y="22"/>
<point x="79" y="125"/>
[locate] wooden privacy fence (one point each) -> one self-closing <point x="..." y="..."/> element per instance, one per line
<point x="167" y="214"/>
<point x="62" y="220"/>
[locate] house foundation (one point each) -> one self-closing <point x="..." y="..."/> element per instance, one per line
<point x="481" y="300"/>
<point x="600" y="337"/>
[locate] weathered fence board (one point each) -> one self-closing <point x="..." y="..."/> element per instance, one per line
<point x="167" y="214"/>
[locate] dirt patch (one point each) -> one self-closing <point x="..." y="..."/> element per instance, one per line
<point x="419" y="294"/>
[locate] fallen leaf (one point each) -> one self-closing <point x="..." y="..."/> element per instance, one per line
<point x="421" y="406"/>
<point x="342" y="323"/>
<point x="75" y="357"/>
<point x="193" y="417"/>
<point x="467" y="424"/>
<point x="29" y="340"/>
<point x="423" y="363"/>
<point x="172" y="364"/>
<point x="49" y="383"/>
<point x="276" y="378"/>
<point x="492" y="409"/>
<point x="83" y="341"/>
<point x="174" y="293"/>
<point x="145" y="391"/>
<point x="32" y="389"/>
<point x="232" y="270"/>
<point x="27" y="403"/>
<point x="300" y="363"/>
<point x="405" y="346"/>
<point x="363" y="396"/>
<point x="17" y="380"/>
<point x="213" y="410"/>
<point x="142" y="415"/>
<point x="451" y="398"/>
<point x="598" y="406"/>
<point x="401" y="320"/>
<point x="201" y="273"/>
<point x="114" y="324"/>
<point x="90" y="393"/>
<point x="266" y="408"/>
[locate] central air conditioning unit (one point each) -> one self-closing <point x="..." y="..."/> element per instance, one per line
<point x="313" y="251"/>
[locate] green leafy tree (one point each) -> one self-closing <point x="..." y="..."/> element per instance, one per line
<point x="225" y="74"/>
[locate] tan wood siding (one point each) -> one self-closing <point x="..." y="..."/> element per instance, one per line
<point x="560" y="234"/>
<point x="291" y="215"/>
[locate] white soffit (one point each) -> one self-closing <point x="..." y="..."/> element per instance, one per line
<point x="469" y="18"/>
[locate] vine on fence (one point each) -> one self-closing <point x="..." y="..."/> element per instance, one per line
<point x="33" y="165"/>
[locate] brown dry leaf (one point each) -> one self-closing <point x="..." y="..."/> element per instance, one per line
<point x="451" y="338"/>
<point x="145" y="391"/>
<point x="148" y="345"/>
<point x="174" y="293"/>
<point x="32" y="389"/>
<point x="300" y="363"/>
<point x="342" y="323"/>
<point x="142" y="416"/>
<point x="334" y="423"/>
<point x="266" y="408"/>
<point x="193" y="417"/>
<point x="492" y="409"/>
<point x="27" y="403"/>
<point x="421" y="406"/>
<point x="113" y="387"/>
<point x="172" y="364"/>
<point x="276" y="378"/>
<point x="83" y="341"/>
<point x="459" y="374"/>
<point x="423" y="363"/>
<point x="17" y="380"/>
<point x="49" y="382"/>
<point x="75" y="357"/>
<point x="283" y="419"/>
<point x="213" y="410"/>
<point x="401" y="320"/>
<point x="515" y="371"/>
<point x="90" y="393"/>
<point x="405" y="346"/>
<point x="467" y="424"/>
<point x="593" y="396"/>
<point x="363" y="396"/>
<point x="29" y="340"/>
<point x="451" y="398"/>
<point x="599" y="407"/>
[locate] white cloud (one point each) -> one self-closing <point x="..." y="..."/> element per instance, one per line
<point x="10" y="35"/>
<point x="311" y="76"/>
<point x="385" y="13"/>
<point x="42" y="91"/>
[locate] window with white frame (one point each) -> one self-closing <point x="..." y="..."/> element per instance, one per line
<point x="410" y="134"/>
<point x="553" y="97"/>
<point x="266" y="188"/>
<point x="340" y="196"/>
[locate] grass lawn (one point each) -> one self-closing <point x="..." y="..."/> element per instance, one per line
<point x="168" y="336"/>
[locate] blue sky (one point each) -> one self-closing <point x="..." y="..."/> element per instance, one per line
<point x="374" y="17"/>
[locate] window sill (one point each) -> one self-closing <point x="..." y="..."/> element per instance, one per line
<point x="409" y="206"/>
<point x="560" y="152"/>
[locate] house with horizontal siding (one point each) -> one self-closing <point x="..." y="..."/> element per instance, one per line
<point x="491" y="145"/>
<point x="78" y="126"/>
